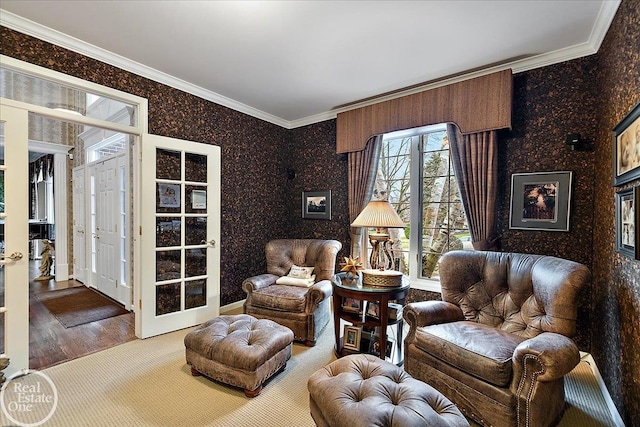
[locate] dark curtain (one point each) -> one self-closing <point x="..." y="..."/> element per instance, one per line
<point x="42" y="165"/>
<point x="363" y="166"/>
<point x="475" y="164"/>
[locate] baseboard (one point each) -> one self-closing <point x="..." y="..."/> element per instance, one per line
<point x="232" y="307"/>
<point x="615" y="415"/>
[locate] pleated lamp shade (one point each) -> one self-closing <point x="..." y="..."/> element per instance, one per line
<point x="379" y="214"/>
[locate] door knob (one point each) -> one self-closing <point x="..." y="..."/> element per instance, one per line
<point x="16" y="256"/>
<point x="211" y="243"/>
<point x="6" y="259"/>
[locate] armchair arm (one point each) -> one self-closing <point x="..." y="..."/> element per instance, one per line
<point x="258" y="282"/>
<point x="317" y="293"/>
<point x="424" y="313"/>
<point x="547" y="356"/>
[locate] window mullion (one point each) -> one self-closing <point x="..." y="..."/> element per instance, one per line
<point x="416" y="183"/>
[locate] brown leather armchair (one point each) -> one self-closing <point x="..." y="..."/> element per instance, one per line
<point x="306" y="311"/>
<point x="499" y="343"/>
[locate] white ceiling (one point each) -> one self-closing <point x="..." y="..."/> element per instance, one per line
<point x="297" y="62"/>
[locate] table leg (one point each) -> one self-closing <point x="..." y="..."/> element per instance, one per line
<point x="337" y="306"/>
<point x="384" y="307"/>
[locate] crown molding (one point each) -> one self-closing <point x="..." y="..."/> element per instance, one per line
<point x="47" y="34"/>
<point x="599" y="31"/>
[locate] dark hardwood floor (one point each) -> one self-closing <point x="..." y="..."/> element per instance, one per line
<point x="51" y="343"/>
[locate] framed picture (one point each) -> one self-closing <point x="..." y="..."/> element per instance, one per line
<point x="351" y="338"/>
<point x="169" y="195"/>
<point x="627" y="220"/>
<point x="540" y="201"/>
<point x="373" y="309"/>
<point x="316" y="204"/>
<point x="626" y="148"/>
<point x="353" y="305"/>
<point x="375" y="347"/>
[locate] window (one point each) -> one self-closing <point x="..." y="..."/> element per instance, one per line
<point x="415" y="174"/>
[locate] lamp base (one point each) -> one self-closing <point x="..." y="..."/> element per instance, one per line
<point x="382" y="278"/>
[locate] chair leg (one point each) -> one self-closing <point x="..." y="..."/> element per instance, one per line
<point x="310" y="343"/>
<point x="253" y="393"/>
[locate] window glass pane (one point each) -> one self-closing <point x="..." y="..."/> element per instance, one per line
<point x="38" y="91"/>
<point x="168" y="198"/>
<point x="441" y="222"/>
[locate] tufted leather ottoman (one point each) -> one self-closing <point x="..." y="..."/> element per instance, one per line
<point x="239" y="350"/>
<point x="363" y="390"/>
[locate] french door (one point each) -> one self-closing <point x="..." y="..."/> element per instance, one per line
<point x="180" y="235"/>
<point x="79" y="220"/>
<point x="106" y="235"/>
<point x="14" y="263"/>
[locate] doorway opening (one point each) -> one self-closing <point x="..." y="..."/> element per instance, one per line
<point x="71" y="140"/>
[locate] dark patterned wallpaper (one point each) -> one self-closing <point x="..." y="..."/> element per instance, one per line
<point x="549" y="103"/>
<point x="616" y="287"/>
<point x="253" y="151"/>
<point x="317" y="167"/>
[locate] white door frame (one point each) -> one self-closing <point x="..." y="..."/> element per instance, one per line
<point x="138" y="129"/>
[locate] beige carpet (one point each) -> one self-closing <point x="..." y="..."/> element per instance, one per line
<point x="147" y="383"/>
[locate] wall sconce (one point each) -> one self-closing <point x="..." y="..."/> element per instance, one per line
<point x="574" y="141"/>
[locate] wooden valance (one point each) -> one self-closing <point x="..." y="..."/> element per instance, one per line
<point x="475" y="105"/>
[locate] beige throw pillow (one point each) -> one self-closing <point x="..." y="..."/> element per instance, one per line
<point x="293" y="281"/>
<point x="300" y="272"/>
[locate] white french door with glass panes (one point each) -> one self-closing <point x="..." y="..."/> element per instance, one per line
<point x="14" y="263"/>
<point x="180" y="235"/>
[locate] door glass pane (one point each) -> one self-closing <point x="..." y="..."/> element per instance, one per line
<point x="168" y="231"/>
<point x="167" y="298"/>
<point x="167" y="164"/>
<point x="195" y="232"/>
<point x="196" y="199"/>
<point x="195" y="293"/>
<point x="195" y="167"/>
<point x="196" y="262"/>
<point x="168" y="198"/>
<point x="168" y="265"/>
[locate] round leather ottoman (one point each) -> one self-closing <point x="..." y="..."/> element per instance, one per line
<point x="239" y="350"/>
<point x="363" y="390"/>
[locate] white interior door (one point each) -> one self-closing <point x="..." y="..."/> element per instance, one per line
<point x="79" y="220"/>
<point x="14" y="265"/>
<point x="180" y="235"/>
<point x="107" y="236"/>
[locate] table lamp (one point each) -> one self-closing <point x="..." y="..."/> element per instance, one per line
<point x="379" y="214"/>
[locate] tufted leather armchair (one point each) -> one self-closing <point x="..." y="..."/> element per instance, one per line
<point x="499" y="343"/>
<point x="306" y="311"/>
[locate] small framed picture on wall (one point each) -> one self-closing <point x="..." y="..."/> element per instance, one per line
<point x="316" y="204"/>
<point x="627" y="220"/>
<point x="626" y="148"/>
